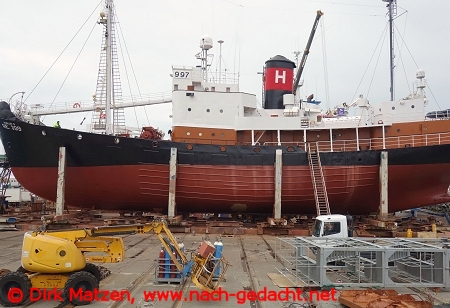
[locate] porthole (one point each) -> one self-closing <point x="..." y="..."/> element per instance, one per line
<point x="398" y="130"/>
<point x="207" y="110"/>
<point x="221" y="110"/>
<point x="393" y="107"/>
<point x="44" y="133"/>
<point x="116" y="140"/>
<point x="189" y="109"/>
<point x="318" y="136"/>
<point x="79" y="137"/>
<point x="222" y="135"/>
<point x="188" y="133"/>
<point x="189" y="147"/>
<point x="200" y="134"/>
<point x="9" y="144"/>
<point x="256" y="150"/>
<point x="412" y="106"/>
<point x="62" y="253"/>
<point x="290" y="149"/>
<point x="155" y="144"/>
<point x="223" y="149"/>
<point x="213" y="134"/>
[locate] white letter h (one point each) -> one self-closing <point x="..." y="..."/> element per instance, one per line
<point x="278" y="76"/>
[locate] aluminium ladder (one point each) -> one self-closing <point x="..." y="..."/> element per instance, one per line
<point x="318" y="181"/>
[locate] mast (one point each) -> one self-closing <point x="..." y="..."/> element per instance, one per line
<point x="108" y="67"/>
<point x="392" y="7"/>
<point x="108" y="117"/>
<point x="206" y="44"/>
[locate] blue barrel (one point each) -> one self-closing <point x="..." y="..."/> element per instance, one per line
<point x="167" y="264"/>
<point x="181" y="246"/>
<point x="161" y="263"/>
<point x="218" y="254"/>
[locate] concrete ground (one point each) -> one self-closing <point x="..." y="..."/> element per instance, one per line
<point x="251" y="257"/>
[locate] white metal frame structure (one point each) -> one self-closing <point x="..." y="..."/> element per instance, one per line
<point x="365" y="262"/>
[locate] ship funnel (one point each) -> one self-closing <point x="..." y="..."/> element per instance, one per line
<point x="278" y="80"/>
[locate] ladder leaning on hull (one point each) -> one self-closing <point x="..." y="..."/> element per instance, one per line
<point x="318" y="181"/>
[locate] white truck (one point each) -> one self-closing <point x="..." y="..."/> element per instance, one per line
<point x="334" y="226"/>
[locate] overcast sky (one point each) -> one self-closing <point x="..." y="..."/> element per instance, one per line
<point x="352" y="41"/>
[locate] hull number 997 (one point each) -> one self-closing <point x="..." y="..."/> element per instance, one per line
<point x="178" y="74"/>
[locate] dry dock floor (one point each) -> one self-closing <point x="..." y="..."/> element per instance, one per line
<point x="251" y="257"/>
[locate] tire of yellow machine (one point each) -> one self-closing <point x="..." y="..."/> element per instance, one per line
<point x="93" y="269"/>
<point x="21" y="269"/>
<point x="80" y="280"/>
<point x="14" y="281"/>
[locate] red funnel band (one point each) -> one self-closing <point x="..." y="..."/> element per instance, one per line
<point x="279" y="79"/>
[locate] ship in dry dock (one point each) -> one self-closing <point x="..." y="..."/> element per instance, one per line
<point x="226" y="147"/>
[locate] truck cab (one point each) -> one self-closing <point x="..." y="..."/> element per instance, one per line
<point x="333" y="226"/>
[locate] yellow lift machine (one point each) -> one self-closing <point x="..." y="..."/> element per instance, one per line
<point x="64" y="260"/>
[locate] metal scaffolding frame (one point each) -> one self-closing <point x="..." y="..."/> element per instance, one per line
<point x="366" y="262"/>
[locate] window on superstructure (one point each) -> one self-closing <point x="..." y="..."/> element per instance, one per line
<point x="175" y="87"/>
<point x="228" y="89"/>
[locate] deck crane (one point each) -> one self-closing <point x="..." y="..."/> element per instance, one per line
<point x="59" y="259"/>
<point x="306" y="52"/>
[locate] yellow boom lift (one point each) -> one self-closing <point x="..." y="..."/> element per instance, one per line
<point x="61" y="260"/>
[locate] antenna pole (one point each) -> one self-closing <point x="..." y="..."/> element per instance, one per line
<point x="392" y="6"/>
<point x="220" y="59"/>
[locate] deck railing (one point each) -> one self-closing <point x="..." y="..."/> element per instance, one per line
<point x="374" y="143"/>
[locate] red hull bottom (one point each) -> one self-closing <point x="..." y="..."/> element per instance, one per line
<point x="225" y="189"/>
